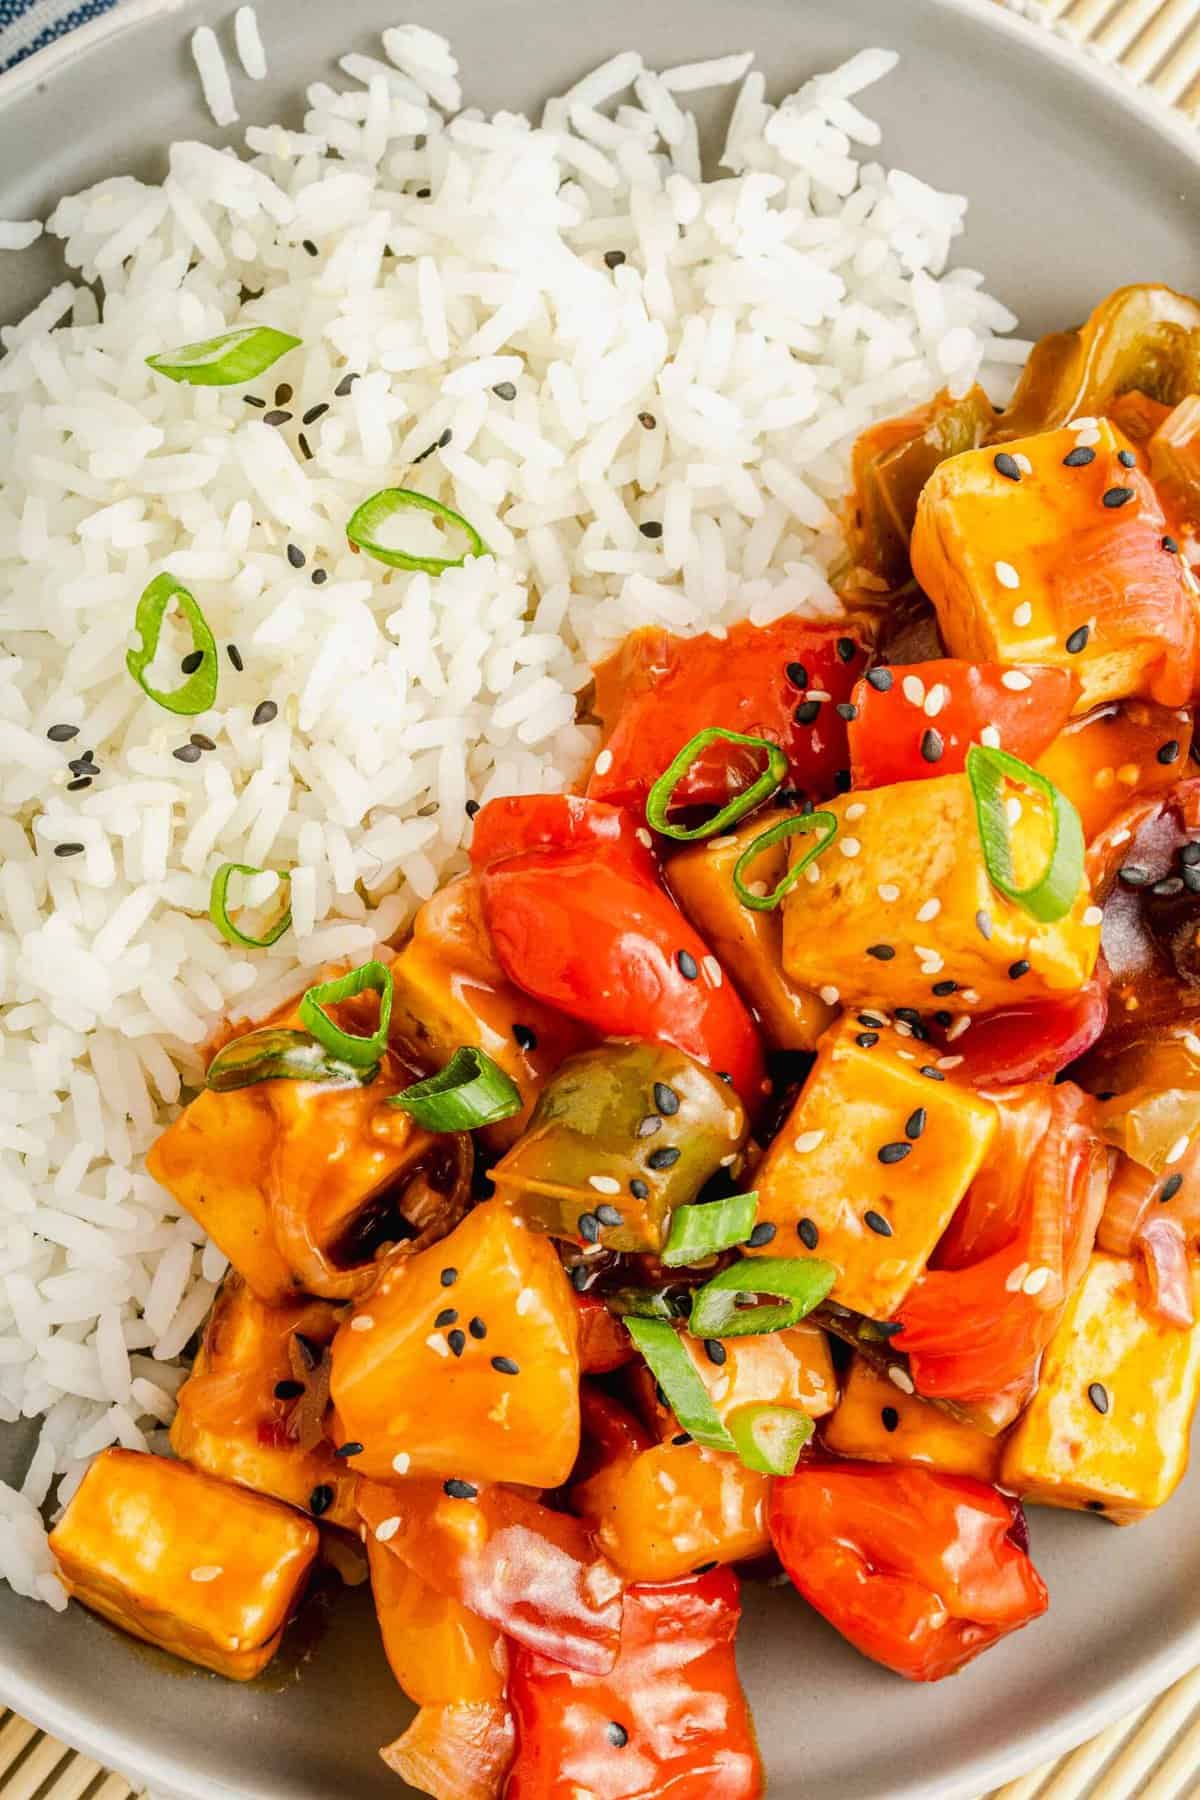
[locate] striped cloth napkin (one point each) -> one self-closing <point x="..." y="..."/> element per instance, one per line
<point x="26" y="25"/>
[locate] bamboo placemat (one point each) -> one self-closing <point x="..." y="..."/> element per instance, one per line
<point x="1154" y="1754"/>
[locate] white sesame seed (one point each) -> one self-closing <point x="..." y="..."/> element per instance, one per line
<point x="438" y="1344"/>
<point x="906" y="1056"/>
<point x="402" y="1459"/>
<point x="1023" y="463"/>
<point x="949" y="1062"/>
<point x="721" y="843"/>
<point x="913" y="689"/>
<point x="829" y="995"/>
<point x="1083" y="423"/>
<point x="902" y="1379"/>
<point x="1093" y="915"/>
<point x="1088" y="438"/>
<point x="808" y="1140"/>
<point x="647" y="842"/>
<point x="932" y="963"/>
<point x="990" y="737"/>
<point x="929" y="910"/>
<point x="363" y="1322"/>
<point x="818" y="694"/>
<point x="935" y="699"/>
<point x="902" y="1028"/>
<point x="604" y="1184"/>
<point x="850" y="846"/>
<point x="1035" y="1281"/>
<point x="1015" y="1277"/>
<point x="1023" y="614"/>
<point x="207" y="1572"/>
<point x="526" y="1301"/>
<point x="961" y="1024"/>
<point x="1191" y="1042"/>
<point x="759" y="888"/>
<point x="1177" y="1148"/>
<point x="1120" y="837"/>
<point x="812" y="875"/>
<point x="969" y="995"/>
<point x="1015" y="681"/>
<point x="604" y="763"/>
<point x="1006" y="575"/>
<point x="713" y="971"/>
<point x="855" y="811"/>
<point x="386" y="1530"/>
<point x="1013" y="809"/>
<point x="888" y="891"/>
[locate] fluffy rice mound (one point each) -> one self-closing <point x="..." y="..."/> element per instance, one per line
<point x="638" y="384"/>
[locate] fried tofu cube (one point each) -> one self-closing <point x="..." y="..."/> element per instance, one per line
<point x="875" y="1421"/>
<point x="205" y="1570"/>
<point x="901" y="906"/>
<point x="1065" y="565"/>
<point x="1108" y="1428"/>
<point x="748" y="944"/>
<point x="660" y="1513"/>
<point x="870" y="1166"/>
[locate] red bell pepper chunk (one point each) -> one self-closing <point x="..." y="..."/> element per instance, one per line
<point x="669" y="1720"/>
<point x="578" y="919"/>
<point x="657" y="691"/>
<point x="919" y="1570"/>
<point x="604" y="1343"/>
<point x="1034" y="1040"/>
<point x="610" y="1432"/>
<point x="896" y="737"/>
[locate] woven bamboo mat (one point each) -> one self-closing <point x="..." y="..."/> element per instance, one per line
<point x="1154" y="1754"/>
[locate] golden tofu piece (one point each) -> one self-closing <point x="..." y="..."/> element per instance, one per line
<point x="661" y="1512"/>
<point x="875" y="1421"/>
<point x="1108" y="1428"/>
<point x="869" y="1167"/>
<point x="1065" y="566"/>
<point x="748" y="944"/>
<point x="902" y="905"/>
<point x="207" y="1571"/>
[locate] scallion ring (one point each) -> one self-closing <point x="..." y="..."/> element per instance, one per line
<point x="675" y="1373"/>
<point x="364" y="525"/>
<point x="799" y="1282"/>
<point x="1056" y="890"/>
<point x="470" y="1091"/>
<point x="218" y="908"/>
<point x="702" y="1230"/>
<point x="769" y="1438"/>
<point x="278" y="1054"/>
<point x="227" y="360"/>
<point x="792" y="826"/>
<point x="347" y="1045"/>
<point x="658" y="801"/>
<point x="200" y="689"/>
<point x="640" y="1303"/>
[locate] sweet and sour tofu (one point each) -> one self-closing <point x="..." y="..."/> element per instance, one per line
<point x="205" y="1570"/>
<point x="876" y="1422"/>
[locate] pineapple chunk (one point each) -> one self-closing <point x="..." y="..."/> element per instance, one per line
<point x="1108" y="1427"/>
<point x="658" y="1514"/>
<point x="878" y="1423"/>
<point x="1056" y="568"/>
<point x="207" y="1571"/>
<point x="869" y="1167"/>
<point x="779" y="1368"/>
<point x="902" y="905"/>
<point x="749" y="944"/>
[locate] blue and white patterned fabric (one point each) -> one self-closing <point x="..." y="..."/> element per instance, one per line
<point x="26" y="25"/>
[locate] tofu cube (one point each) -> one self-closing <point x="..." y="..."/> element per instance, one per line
<point x="869" y="1167"/>
<point x="1065" y="566"/>
<point x="1108" y="1428"/>
<point x="207" y="1571"/>
<point x="874" y="1420"/>
<point x="901" y="905"/>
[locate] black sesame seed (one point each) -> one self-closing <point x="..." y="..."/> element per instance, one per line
<point x="283" y="393"/>
<point x="449" y="1277"/>
<point x="867" y="1040"/>
<point x="1116" y="496"/>
<point x="191" y="662"/>
<point x="762" y="1234"/>
<point x="80" y="782"/>
<point x="941" y="988"/>
<point x="681" y="1438"/>
<point x="649" y="1125"/>
<point x="666" y="1099"/>
<point x="504" y="1365"/>
<point x="647" y="421"/>
<point x="983" y="924"/>
<point x="807" y="1232"/>
<point x="652" y="528"/>
<point x="894" y="1153"/>
<point x="1169" y="752"/>
<point x="1007" y="466"/>
<point x="477" y="1328"/>
<point x="715" y="1351"/>
<point x="264" y="712"/>
<point x="1126" y="458"/>
<point x="880" y="679"/>
<point x="296" y="556"/>
<point x="62" y="734"/>
<point x="932" y="1073"/>
<point x="943" y="1018"/>
<point x="288" y="1390"/>
<point x="890" y="1418"/>
<point x="455" y="1489"/>
<point x="1133" y="875"/>
<point x="424" y="193"/>
<point x="1018" y="968"/>
<point x="933" y="745"/>
<point x="1098" y="1395"/>
<point x="617" y="1735"/>
<point x="277" y="416"/>
<point x="687" y="965"/>
<point x="869" y="1019"/>
<point x="1169" y="888"/>
<point x="842" y="781"/>
<point x="1078" y="640"/>
<point x="806" y="712"/>
<point x="320" y="577"/>
<point x="914" y="1125"/>
<point x="589" y="1227"/>
<point x="471" y="808"/>
<point x="447" y="1316"/>
<point x="1191" y="880"/>
<point x="881" y="952"/>
<point x="846" y="710"/>
<point x="305" y="448"/>
<point x="524" y="1036"/>
<point x="1094" y="1505"/>
<point x="613" y="259"/>
<point x="353" y="1448"/>
<point x="1170" y="546"/>
<point x="1170" y="1187"/>
<point x="201" y="741"/>
<point x="505" y="390"/>
<point x="83" y="765"/>
<point x="638" y="1188"/>
<point x="457" y="1341"/>
<point x="703" y="1568"/>
<point x="847" y="649"/>
<point x="445" y="438"/>
<point x="315" y="412"/>
<point x="608" y="1214"/>
<point x="320" y="1500"/>
<point x="235" y="657"/>
<point x="187" y="753"/>
<point x="664" y="1158"/>
<point x="345" y="384"/>
<point x="1079" y="458"/>
<point x="909" y="1014"/>
<point x="307" y="244"/>
<point x="1190" y="854"/>
<point x="253" y="400"/>
<point x="877" y="1223"/>
<point x="580" y="1278"/>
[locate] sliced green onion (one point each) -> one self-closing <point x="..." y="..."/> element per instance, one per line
<point x="640" y="1303"/>
<point x="200" y="689"/>
<point x="675" y="1373"/>
<point x="769" y="1438"/>
<point x="225" y="361"/>
<point x="799" y="1282"/>
<point x="826" y="822"/>
<point x="658" y="801"/>
<point x="277" y="1054"/>
<point x="470" y="1091"/>
<point x="347" y="1044"/>
<point x="364" y="525"/>
<point x="218" y="908"/>
<point x="700" y="1231"/>
<point x="1055" y="891"/>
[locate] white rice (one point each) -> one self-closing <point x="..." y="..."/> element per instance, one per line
<point x="249" y="43"/>
<point x="712" y="381"/>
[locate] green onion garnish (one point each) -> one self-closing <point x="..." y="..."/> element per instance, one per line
<point x="224" y="361"/>
<point x="826" y="822"/>
<point x="700" y="1231"/>
<point x="658" y="801"/>
<point x="200" y="689"/>
<point x="218" y="908"/>
<point x="364" y="525"/>
<point x="799" y="1282"/>
<point x="640" y="1303"/>
<point x="277" y="1054"/>
<point x="1057" y="888"/>
<point x="769" y="1438"/>
<point x="470" y="1091"/>
<point x="675" y="1373"/>
<point x="347" y="1044"/>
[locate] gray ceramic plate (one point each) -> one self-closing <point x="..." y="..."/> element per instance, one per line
<point x="1076" y="185"/>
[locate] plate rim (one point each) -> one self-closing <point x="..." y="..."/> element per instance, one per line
<point x="111" y="1746"/>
